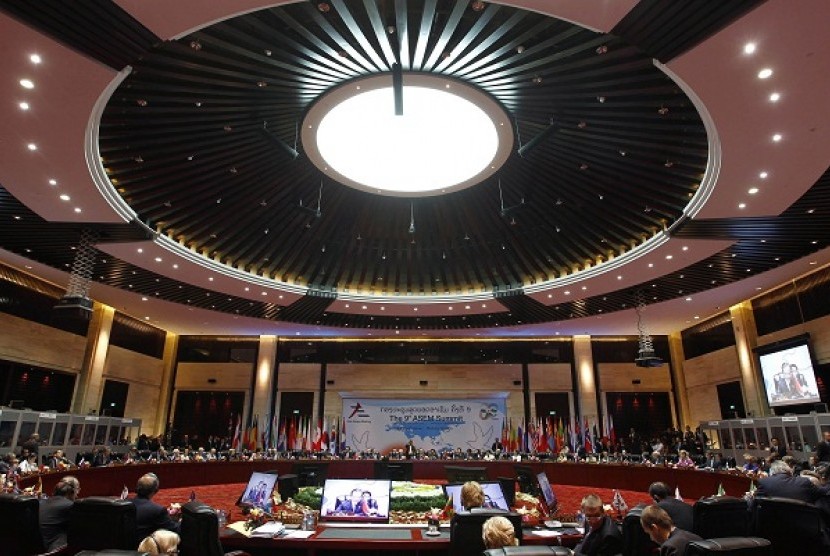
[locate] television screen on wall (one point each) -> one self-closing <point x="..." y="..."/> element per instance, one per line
<point x="787" y="370"/>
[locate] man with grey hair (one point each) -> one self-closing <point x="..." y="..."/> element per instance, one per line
<point x="602" y="536"/>
<point x="150" y="516"/>
<point x="54" y="512"/>
<point x="782" y="483"/>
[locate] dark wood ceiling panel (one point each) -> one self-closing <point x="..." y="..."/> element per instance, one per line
<point x="99" y="29"/>
<point x="665" y="29"/>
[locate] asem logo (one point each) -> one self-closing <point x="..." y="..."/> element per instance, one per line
<point x="489" y="411"/>
<point x="357" y="409"/>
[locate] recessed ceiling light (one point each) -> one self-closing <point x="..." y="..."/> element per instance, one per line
<point x="749" y="48"/>
<point x="382" y="308"/>
<point x="814" y="242"/>
<point x="776" y="137"/>
<point x="264" y="293"/>
<point x="697" y="317"/>
<point x="24" y="105"/>
<point x="27" y="84"/>
<point x="685" y="248"/>
<point x="31" y="147"/>
<point x="175" y="266"/>
<point x="584" y="288"/>
<point x="364" y="307"/>
<point x="764" y="73"/>
<point x="651" y="265"/>
<point x="774" y="97"/>
<point x="158" y="259"/>
<point x="688" y="299"/>
<point x="550" y="296"/>
<point x="741" y="205"/>
<point x="813" y="262"/>
<point x="148" y="318"/>
<point x="210" y="278"/>
<point x="763" y="175"/>
<point x="279" y="297"/>
<point x="65" y="197"/>
<point x="346" y="305"/>
<point x="17" y="218"/>
<point x="53" y="182"/>
<point x="619" y="276"/>
<point x="143" y="299"/>
<point x="78" y="210"/>
<point x="669" y="257"/>
<point x="35" y="58"/>
<point x="414" y="308"/>
<point x="567" y="292"/>
<point x="811" y="211"/>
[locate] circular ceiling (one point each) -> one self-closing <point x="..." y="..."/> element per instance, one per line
<point x="608" y="151"/>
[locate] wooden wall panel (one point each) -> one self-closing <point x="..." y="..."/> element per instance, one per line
<point x="143" y="373"/>
<point x="300" y="377"/>
<point x="550" y="377"/>
<point x="229" y="376"/>
<point x="819" y="331"/>
<point x="712" y="368"/>
<point x="618" y="377"/>
<point x="33" y="343"/>
<point x="703" y="404"/>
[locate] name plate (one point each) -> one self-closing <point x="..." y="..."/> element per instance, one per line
<point x="790" y="419"/>
<point x="126" y="421"/>
<point x="714" y="423"/>
<point x="48" y="415"/>
<point x="747" y="421"/>
<point x="90" y="418"/>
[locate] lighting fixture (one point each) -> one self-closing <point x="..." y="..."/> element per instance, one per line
<point x="774" y="97"/>
<point x="752" y="190"/>
<point x="763" y="175"/>
<point x="741" y="205"/>
<point x="31" y="147"/>
<point x="65" y="197"/>
<point x="765" y="73"/>
<point x="776" y="137"/>
<point x="749" y="48"/>
<point x="27" y="84"/>
<point x="24" y="106"/>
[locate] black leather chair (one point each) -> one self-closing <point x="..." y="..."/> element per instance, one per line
<point x="528" y="551"/>
<point x="722" y="516"/>
<point x="465" y="531"/>
<point x="20" y="525"/>
<point x="508" y="487"/>
<point x="112" y="552"/>
<point x="99" y="523"/>
<point x="783" y="521"/>
<point x="731" y="546"/>
<point x="636" y="541"/>
<point x="200" y="531"/>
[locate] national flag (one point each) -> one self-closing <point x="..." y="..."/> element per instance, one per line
<point x="572" y="427"/>
<point x="520" y="438"/>
<point x="324" y="440"/>
<point x="274" y="440"/>
<point x="318" y="436"/>
<point x="342" y="435"/>
<point x="596" y="439"/>
<point x="291" y="438"/>
<point x="543" y="447"/>
<point x="237" y="433"/>
<point x="589" y="447"/>
<point x="721" y="491"/>
<point x="334" y="442"/>
<point x="254" y="434"/>
<point x="618" y="502"/>
<point x="677" y="494"/>
<point x="282" y="439"/>
<point x="612" y="436"/>
<point x="550" y="434"/>
<point x="125" y="492"/>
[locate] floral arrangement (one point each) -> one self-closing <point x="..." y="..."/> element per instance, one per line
<point x="256" y="517"/>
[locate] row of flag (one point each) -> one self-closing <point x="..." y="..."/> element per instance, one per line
<point x="294" y="433"/>
<point x="551" y="434"/>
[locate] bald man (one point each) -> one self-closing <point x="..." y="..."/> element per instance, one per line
<point x="54" y="512"/>
<point x="150" y="516"/>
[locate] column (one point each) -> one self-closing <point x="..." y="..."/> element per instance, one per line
<point x="586" y="386"/>
<point x="678" y="376"/>
<point x="168" y="378"/>
<point x="263" y="379"/>
<point x="746" y="339"/>
<point x="91" y="378"/>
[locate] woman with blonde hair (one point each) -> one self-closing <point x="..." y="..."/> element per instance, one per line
<point x="498" y="532"/>
<point x="472" y="495"/>
<point x="160" y="542"/>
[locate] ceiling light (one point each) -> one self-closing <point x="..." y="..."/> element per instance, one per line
<point x="356" y="138"/>
<point x="53" y="182"/>
<point x="584" y="288"/>
<point x="741" y="205"/>
<point x="158" y="259"/>
<point x="749" y="48"/>
<point x="65" y="197"/>
<point x="35" y="58"/>
<point x="619" y="277"/>
<point x="175" y="266"/>
<point x="27" y="84"/>
<point x="140" y="250"/>
<point x="17" y="217"/>
<point x="763" y="175"/>
<point x="24" y="105"/>
<point x="764" y="73"/>
<point x="774" y="97"/>
<point x="697" y="317"/>
<point x="651" y="265"/>
<point x="567" y="293"/>
<point x="210" y="278"/>
<point x="811" y="211"/>
<point x="752" y="190"/>
<point x="685" y="248"/>
<point x="364" y="307"/>
<point x="264" y="293"/>
<point x="78" y="210"/>
<point x="776" y="137"/>
<point x="143" y="299"/>
<point x="31" y="147"/>
<point x="669" y="257"/>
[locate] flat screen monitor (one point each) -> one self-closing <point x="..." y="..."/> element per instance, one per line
<point x="257" y="493"/>
<point x="463" y="473"/>
<point x="526" y="477"/>
<point x="547" y="491"/>
<point x="493" y="496"/>
<point x="787" y="368"/>
<point x="356" y="500"/>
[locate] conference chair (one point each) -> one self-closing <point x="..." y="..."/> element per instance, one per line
<point x="100" y="523"/>
<point x="731" y="546"/>
<point x="465" y="531"/>
<point x="200" y="532"/>
<point x="528" y="551"/>
<point x="636" y="541"/>
<point x="508" y="487"/>
<point x="19" y="525"/>
<point x="112" y="552"/>
<point x="786" y="522"/>
<point x="722" y="516"/>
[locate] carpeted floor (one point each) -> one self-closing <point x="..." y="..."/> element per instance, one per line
<point x="225" y="496"/>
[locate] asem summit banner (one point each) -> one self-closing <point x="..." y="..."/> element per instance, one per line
<point x="383" y="425"/>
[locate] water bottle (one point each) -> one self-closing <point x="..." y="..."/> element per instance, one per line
<point x="580" y="521"/>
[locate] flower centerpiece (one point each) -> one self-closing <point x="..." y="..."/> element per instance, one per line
<point x="256" y="517"/>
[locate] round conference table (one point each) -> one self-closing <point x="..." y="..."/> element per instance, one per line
<point x="109" y="481"/>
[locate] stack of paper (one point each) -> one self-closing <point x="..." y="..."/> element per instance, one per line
<point x="270" y="530"/>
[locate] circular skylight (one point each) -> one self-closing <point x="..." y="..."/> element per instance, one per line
<point x="450" y="136"/>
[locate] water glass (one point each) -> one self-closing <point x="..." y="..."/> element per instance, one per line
<point x="222" y="517"/>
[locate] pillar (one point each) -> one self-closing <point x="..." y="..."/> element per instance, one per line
<point x="746" y="339"/>
<point x="678" y="376"/>
<point x="168" y="377"/>
<point x="264" y="379"/>
<point x="91" y="378"/>
<point x="586" y="385"/>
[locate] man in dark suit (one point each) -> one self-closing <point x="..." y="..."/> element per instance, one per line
<point x="149" y="516"/>
<point x="681" y="513"/>
<point x="54" y="513"/>
<point x="603" y="537"/>
<point x="823" y="448"/>
<point x="776" y="450"/>
<point x="782" y="483"/>
<point x="657" y="523"/>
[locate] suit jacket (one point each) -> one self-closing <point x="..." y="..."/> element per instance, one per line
<point x="149" y="517"/>
<point x="54" y="521"/>
<point x="677" y="542"/>
<point x="823" y="451"/>
<point x="787" y="486"/>
<point x="682" y="514"/>
<point x="606" y="540"/>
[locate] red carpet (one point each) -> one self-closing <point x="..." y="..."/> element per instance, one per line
<point x="225" y="496"/>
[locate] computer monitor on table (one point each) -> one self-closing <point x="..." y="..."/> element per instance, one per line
<point x="526" y="477"/>
<point x="548" y="496"/>
<point x="258" y="492"/>
<point x="463" y="474"/>
<point x="356" y="500"/>
<point x="493" y="496"/>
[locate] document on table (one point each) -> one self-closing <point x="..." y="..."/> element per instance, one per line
<point x="546" y="533"/>
<point x="298" y="534"/>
